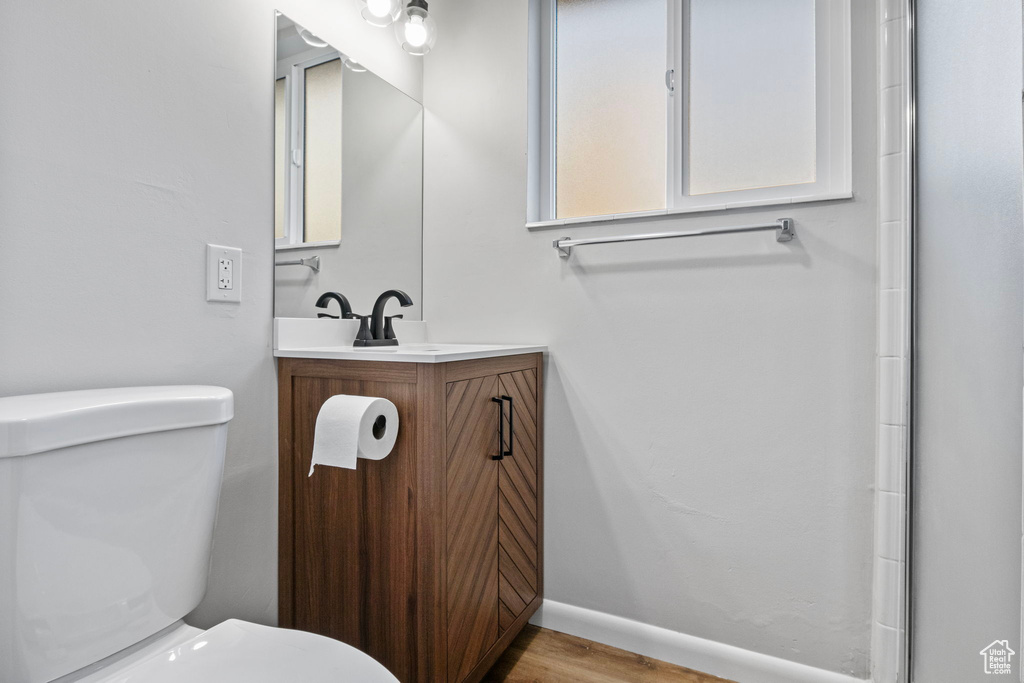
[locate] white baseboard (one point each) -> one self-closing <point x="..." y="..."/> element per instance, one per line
<point x="692" y="652"/>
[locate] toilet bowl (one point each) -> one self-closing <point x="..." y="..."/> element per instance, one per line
<point x="107" y="506"/>
<point x="236" y="652"/>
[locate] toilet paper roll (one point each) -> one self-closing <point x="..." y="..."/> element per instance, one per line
<point x="351" y="427"/>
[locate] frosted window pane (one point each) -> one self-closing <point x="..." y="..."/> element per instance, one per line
<point x="280" y="158"/>
<point x="322" y="158"/>
<point x="752" y="107"/>
<point x="610" y="139"/>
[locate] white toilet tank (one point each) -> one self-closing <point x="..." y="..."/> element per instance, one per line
<point x="107" y="505"/>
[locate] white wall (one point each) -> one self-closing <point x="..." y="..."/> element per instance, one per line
<point x="966" y="559"/>
<point x="710" y="402"/>
<point x="141" y="132"/>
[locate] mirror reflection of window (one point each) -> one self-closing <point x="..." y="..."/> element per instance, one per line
<point x="307" y="148"/>
<point x="280" y="158"/>
<point x="322" y="152"/>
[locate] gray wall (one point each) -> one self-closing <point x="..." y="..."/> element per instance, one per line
<point x="140" y="132"/>
<point x="967" y="486"/>
<point x="710" y="402"/>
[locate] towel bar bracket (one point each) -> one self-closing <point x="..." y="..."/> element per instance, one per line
<point x="564" y="252"/>
<point x="312" y="262"/>
<point x="784" y="233"/>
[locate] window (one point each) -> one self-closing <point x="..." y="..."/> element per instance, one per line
<point x="608" y="117"/>
<point x="642" y="106"/>
<point x="280" y="157"/>
<point x="307" y="152"/>
<point x="321" y="143"/>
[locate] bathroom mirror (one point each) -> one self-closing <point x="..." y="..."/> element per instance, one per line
<point x="348" y="179"/>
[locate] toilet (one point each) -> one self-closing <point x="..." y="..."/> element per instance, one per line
<point x="108" y="500"/>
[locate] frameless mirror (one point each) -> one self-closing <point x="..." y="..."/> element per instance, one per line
<point x="348" y="179"/>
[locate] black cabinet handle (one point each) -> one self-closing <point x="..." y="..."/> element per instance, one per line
<point x="511" y="420"/>
<point x="501" y="429"/>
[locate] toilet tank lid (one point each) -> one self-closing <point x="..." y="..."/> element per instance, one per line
<point x="44" y="422"/>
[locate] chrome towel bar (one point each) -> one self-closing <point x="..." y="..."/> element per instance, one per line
<point x="782" y="226"/>
<point x="313" y="263"/>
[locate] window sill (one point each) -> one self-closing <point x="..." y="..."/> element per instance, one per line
<point x="637" y="215"/>
<point x="307" y="245"/>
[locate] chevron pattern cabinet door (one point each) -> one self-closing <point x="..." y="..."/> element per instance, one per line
<point x="471" y="522"/>
<point x="517" y="502"/>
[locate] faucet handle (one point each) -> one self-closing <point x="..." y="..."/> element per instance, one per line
<point x="389" y="330"/>
<point x="364" y="335"/>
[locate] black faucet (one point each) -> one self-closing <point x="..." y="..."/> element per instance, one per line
<point x="325" y="299"/>
<point x="381" y="330"/>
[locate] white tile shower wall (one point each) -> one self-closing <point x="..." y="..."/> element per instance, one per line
<point x="888" y="627"/>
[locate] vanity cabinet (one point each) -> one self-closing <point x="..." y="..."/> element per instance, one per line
<point x="430" y="560"/>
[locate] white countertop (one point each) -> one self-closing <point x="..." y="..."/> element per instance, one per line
<point x="413" y="352"/>
<point x="332" y="339"/>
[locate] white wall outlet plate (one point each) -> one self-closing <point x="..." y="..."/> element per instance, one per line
<point x="223" y="273"/>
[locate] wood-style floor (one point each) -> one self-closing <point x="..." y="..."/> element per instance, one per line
<point x="542" y="656"/>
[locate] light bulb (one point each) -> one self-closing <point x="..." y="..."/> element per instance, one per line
<point x="381" y="13"/>
<point x="415" y="30"/>
<point x="379" y="8"/>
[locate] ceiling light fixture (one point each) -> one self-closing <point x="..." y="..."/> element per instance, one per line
<point x="415" y="29"/>
<point x="352" y="65"/>
<point x="381" y="13"/>
<point x="311" y="40"/>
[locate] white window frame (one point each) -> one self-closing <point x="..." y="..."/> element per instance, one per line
<point x="295" y="103"/>
<point x="833" y="177"/>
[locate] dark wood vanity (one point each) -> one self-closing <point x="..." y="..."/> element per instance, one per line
<point x="430" y="560"/>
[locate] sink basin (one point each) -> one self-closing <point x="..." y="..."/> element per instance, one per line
<point x="327" y="338"/>
<point x="412" y="352"/>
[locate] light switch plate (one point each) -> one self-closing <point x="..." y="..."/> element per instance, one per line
<point x="223" y="273"/>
